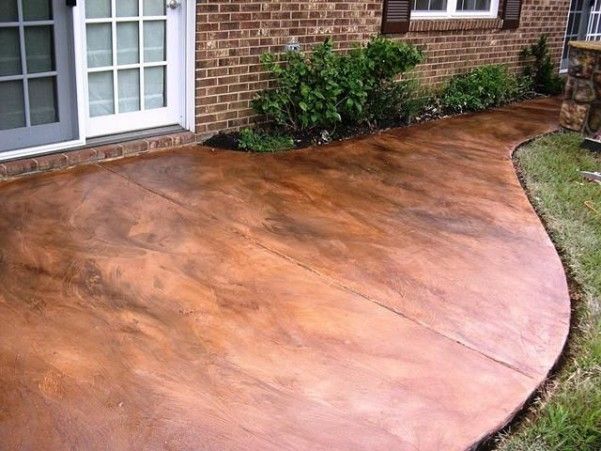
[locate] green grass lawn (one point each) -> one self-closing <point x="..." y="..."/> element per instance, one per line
<point x="567" y="414"/>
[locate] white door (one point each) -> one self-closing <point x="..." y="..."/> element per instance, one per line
<point x="135" y="64"/>
<point x="37" y="74"/>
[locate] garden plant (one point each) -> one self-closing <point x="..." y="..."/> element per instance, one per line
<point x="327" y="94"/>
<point x="539" y="68"/>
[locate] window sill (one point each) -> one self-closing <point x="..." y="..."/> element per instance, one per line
<point x="424" y="25"/>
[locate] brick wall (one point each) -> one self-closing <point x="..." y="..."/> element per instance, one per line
<point x="231" y="34"/>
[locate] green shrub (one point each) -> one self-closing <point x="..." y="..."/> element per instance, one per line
<point x="539" y="68"/>
<point x="386" y="59"/>
<point x="393" y="103"/>
<point x="484" y="87"/>
<point x="326" y="88"/>
<point x="258" y="141"/>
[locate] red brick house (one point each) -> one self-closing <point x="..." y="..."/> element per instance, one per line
<point x="81" y="73"/>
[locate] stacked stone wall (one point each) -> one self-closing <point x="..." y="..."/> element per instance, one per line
<point x="581" y="109"/>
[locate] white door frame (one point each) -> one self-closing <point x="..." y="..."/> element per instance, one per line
<point x="188" y="105"/>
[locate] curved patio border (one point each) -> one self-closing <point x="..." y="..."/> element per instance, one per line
<point x="516" y="416"/>
<point x="392" y="292"/>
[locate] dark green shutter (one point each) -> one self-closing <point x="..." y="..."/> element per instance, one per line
<point x="396" y="16"/>
<point x="511" y="14"/>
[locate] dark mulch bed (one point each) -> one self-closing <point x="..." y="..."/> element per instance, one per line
<point x="223" y="141"/>
<point x="229" y="140"/>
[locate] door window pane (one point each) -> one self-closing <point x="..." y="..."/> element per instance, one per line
<point x="154" y="7"/>
<point x="154" y="87"/>
<point x="127" y="8"/>
<point x="154" y="41"/>
<point x="42" y="101"/>
<point x="10" y="52"/>
<point x="8" y="11"/>
<point x="128" y="50"/>
<point x="100" y="43"/>
<point x="98" y="8"/>
<point x="100" y="87"/>
<point x="12" y="106"/>
<point x="129" y="90"/>
<point x="39" y="48"/>
<point x="37" y="9"/>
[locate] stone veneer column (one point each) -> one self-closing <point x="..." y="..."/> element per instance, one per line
<point x="581" y="108"/>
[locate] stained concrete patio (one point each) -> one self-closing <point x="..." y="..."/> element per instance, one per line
<point x="393" y="292"/>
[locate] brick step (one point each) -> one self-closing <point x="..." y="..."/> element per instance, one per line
<point x="62" y="160"/>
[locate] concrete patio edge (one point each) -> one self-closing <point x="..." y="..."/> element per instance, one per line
<point x="396" y="291"/>
<point x="528" y="401"/>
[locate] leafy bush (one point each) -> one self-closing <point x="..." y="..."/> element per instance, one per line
<point x="539" y="68"/>
<point x="263" y="142"/>
<point x="325" y="88"/>
<point x="386" y="59"/>
<point x="484" y="87"/>
<point x="393" y="103"/>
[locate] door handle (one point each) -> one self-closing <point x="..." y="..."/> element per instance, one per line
<point x="173" y="4"/>
<point x="71" y="3"/>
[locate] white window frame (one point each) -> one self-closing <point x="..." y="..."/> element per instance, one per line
<point x="453" y="13"/>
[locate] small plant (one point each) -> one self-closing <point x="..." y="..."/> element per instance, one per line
<point x="325" y="88"/>
<point x="258" y="141"/>
<point x="484" y="87"/>
<point x="394" y="103"/>
<point x="539" y="68"/>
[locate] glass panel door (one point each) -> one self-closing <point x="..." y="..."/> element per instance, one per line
<point x="133" y="59"/>
<point x="37" y="83"/>
<point x="593" y="31"/>
<point x="578" y="23"/>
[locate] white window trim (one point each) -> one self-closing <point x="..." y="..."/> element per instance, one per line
<point x="452" y="13"/>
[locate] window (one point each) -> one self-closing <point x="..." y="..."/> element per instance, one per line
<point x="429" y="5"/>
<point x="436" y="9"/>
<point x="473" y="5"/>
